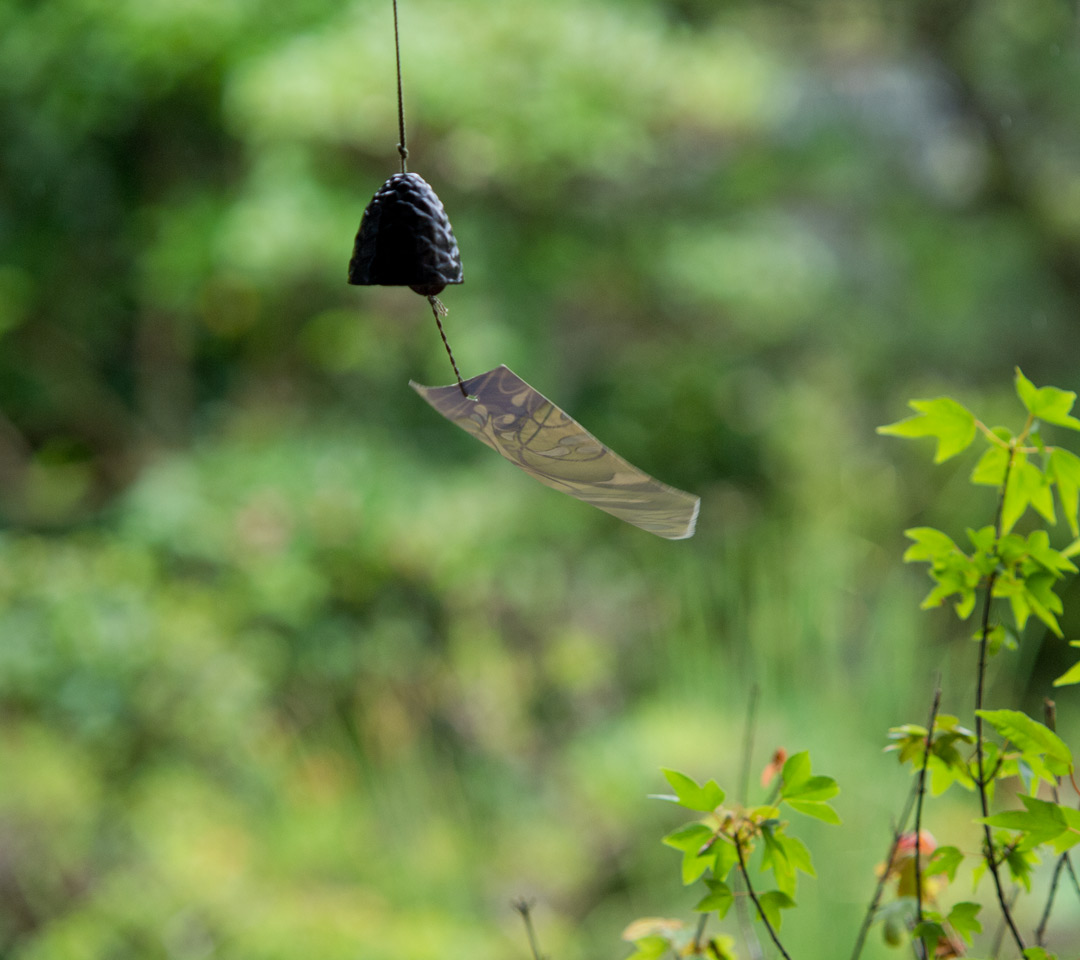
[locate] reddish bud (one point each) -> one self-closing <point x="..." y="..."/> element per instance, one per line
<point x="774" y="766"/>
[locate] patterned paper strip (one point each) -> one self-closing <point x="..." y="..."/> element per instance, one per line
<point x="533" y="433"/>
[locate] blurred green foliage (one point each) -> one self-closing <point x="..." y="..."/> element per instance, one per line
<point x="288" y="665"/>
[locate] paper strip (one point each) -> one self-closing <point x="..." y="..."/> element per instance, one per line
<point x="534" y="434"/>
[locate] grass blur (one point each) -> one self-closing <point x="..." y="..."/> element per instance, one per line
<point x="288" y="665"/>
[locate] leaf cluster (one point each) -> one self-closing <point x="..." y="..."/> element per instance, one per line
<point x="1020" y="569"/>
<point x="948" y="762"/>
<point x="714" y="845"/>
<point x="998" y="562"/>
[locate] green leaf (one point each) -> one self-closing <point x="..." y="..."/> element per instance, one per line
<point x="990" y="470"/>
<point x="965" y="604"/>
<point x="1041" y="822"/>
<point x="798" y="854"/>
<point x="693" y="867"/>
<point x="689" y="838"/>
<point x="1026" y="391"/>
<point x="895" y="917"/>
<point x="1011" y="548"/>
<point x="816" y="809"/>
<point x="1038" y="953"/>
<point x="1042" y="496"/>
<point x="724" y="859"/>
<point x="796" y="770"/>
<point x="649" y="948"/>
<point x="1044" y="603"/>
<point x="814" y="788"/>
<point x="962" y="918"/>
<point x="806" y="793"/>
<point x="1031" y="737"/>
<point x="943" y="418"/>
<point x="930" y="545"/>
<point x="930" y="931"/>
<point x="942" y="777"/>
<point x="1007" y="585"/>
<point x="945" y="860"/>
<point x="719" y="898"/>
<point x="950" y="567"/>
<point x="697" y="843"/>
<point x="784" y="855"/>
<point x="1039" y="550"/>
<point x="997" y="637"/>
<point x="774" y="857"/>
<point x="772" y="903"/>
<point x="1064" y="468"/>
<point x="1026" y="485"/>
<point x="704" y="798"/>
<point x="1070" y="676"/>
<point x="721" y="947"/>
<point x="1049" y="404"/>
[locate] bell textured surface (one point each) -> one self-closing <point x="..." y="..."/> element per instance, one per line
<point x="405" y="239"/>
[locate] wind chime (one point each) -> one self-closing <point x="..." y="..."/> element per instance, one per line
<point x="405" y="240"/>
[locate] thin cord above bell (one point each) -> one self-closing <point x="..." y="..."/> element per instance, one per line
<point x="405" y="238"/>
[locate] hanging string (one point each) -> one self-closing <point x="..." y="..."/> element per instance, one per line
<point x="440" y="311"/>
<point x="437" y="307"/>
<point x="400" y="99"/>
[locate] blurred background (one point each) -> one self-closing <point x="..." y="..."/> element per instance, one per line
<point x="289" y="666"/>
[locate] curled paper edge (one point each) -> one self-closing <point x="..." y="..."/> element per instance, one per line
<point x="526" y="428"/>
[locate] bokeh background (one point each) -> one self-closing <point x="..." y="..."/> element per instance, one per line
<point x="291" y="667"/>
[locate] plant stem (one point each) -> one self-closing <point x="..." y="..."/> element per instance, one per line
<point x="981" y="780"/>
<point x="918" y="811"/>
<point x="753" y="946"/>
<point x="1040" y="931"/>
<point x="915" y="943"/>
<point x="1000" y="935"/>
<point x="871" y="910"/>
<point x="1050" y="719"/>
<point x="523" y="907"/>
<point x="757" y="903"/>
<point x="748" y="745"/>
<point x="698" y="934"/>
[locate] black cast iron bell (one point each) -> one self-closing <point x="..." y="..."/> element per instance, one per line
<point x="405" y="239"/>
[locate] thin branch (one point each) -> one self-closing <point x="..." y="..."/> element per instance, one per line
<point x="1040" y="931"/>
<point x="998" y="764"/>
<point x="1004" y="444"/>
<point x="699" y="933"/>
<point x="990" y="435"/>
<point x="915" y="943"/>
<point x="748" y="745"/>
<point x="749" y="935"/>
<point x="981" y="782"/>
<point x="1072" y="874"/>
<point x="1000" y="935"/>
<point x="871" y="909"/>
<point x="523" y="907"/>
<point x="918" y="810"/>
<point x="1050" y="719"/>
<point x="757" y="903"/>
